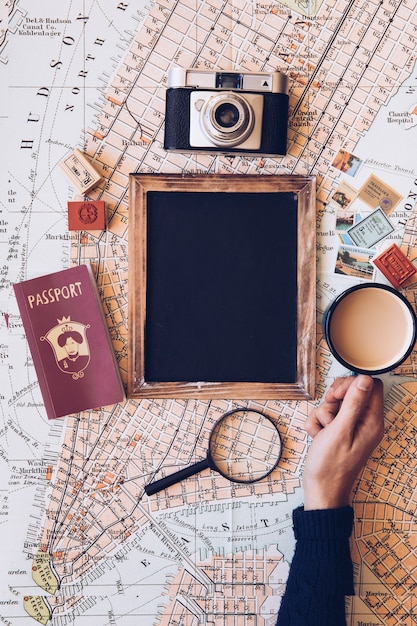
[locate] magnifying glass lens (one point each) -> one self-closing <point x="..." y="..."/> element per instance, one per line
<point x="245" y="446"/>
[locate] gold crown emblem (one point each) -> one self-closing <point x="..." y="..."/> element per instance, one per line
<point x="64" y="319"/>
<point x="65" y="324"/>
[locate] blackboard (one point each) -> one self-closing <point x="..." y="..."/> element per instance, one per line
<point x="221" y="286"/>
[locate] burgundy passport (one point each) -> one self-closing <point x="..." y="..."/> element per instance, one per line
<point x="69" y="341"/>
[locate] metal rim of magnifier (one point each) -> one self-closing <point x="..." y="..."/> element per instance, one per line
<point x="262" y="416"/>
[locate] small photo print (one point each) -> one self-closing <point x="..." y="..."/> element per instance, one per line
<point x="344" y="219"/>
<point x="345" y="239"/>
<point x="347" y="162"/>
<point x="344" y="195"/>
<point x="344" y="225"/>
<point x="354" y="262"/>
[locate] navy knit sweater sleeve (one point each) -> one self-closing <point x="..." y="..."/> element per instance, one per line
<point x="321" y="572"/>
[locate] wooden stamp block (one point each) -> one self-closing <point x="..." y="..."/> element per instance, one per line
<point x="395" y="266"/>
<point x="80" y="172"/>
<point x="86" y="215"/>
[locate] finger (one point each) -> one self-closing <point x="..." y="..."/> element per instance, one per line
<point x="339" y="388"/>
<point x="320" y="417"/>
<point x="357" y="399"/>
<point x="312" y="428"/>
<point x="324" y="413"/>
<point x="375" y="414"/>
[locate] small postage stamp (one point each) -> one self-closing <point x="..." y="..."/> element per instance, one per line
<point x="376" y="193"/>
<point x="371" y="229"/>
<point x="354" y="262"/>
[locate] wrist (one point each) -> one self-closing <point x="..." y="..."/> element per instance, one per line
<point x="315" y="497"/>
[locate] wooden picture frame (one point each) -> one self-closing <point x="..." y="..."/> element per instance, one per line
<point x="181" y="228"/>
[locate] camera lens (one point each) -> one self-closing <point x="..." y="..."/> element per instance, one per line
<point x="227" y="119"/>
<point x="227" y="115"/>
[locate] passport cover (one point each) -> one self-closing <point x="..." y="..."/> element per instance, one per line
<point x="69" y="341"/>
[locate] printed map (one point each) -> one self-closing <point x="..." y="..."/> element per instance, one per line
<point x="81" y="542"/>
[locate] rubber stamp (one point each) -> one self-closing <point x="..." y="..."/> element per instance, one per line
<point x="86" y="215"/>
<point x="80" y="172"/>
<point x="395" y="266"/>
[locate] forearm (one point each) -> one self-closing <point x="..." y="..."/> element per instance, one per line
<point x="321" y="572"/>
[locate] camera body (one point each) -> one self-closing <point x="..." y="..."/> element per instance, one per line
<point x="226" y="112"/>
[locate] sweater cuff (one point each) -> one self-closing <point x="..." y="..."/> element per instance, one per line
<point x="323" y="545"/>
<point x="323" y="523"/>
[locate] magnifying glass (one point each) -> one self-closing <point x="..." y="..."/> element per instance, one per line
<point x="244" y="447"/>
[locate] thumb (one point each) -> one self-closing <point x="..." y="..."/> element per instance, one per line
<point x="355" y="401"/>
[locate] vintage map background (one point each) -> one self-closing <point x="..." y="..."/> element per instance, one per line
<point x="81" y="543"/>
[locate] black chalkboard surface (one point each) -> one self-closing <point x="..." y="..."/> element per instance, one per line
<point x="217" y="308"/>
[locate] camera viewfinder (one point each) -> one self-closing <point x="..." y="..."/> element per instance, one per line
<point x="229" y="81"/>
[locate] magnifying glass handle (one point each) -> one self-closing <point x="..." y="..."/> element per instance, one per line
<point x="167" y="481"/>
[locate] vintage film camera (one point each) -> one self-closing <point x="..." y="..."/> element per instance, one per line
<point x="226" y="112"/>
